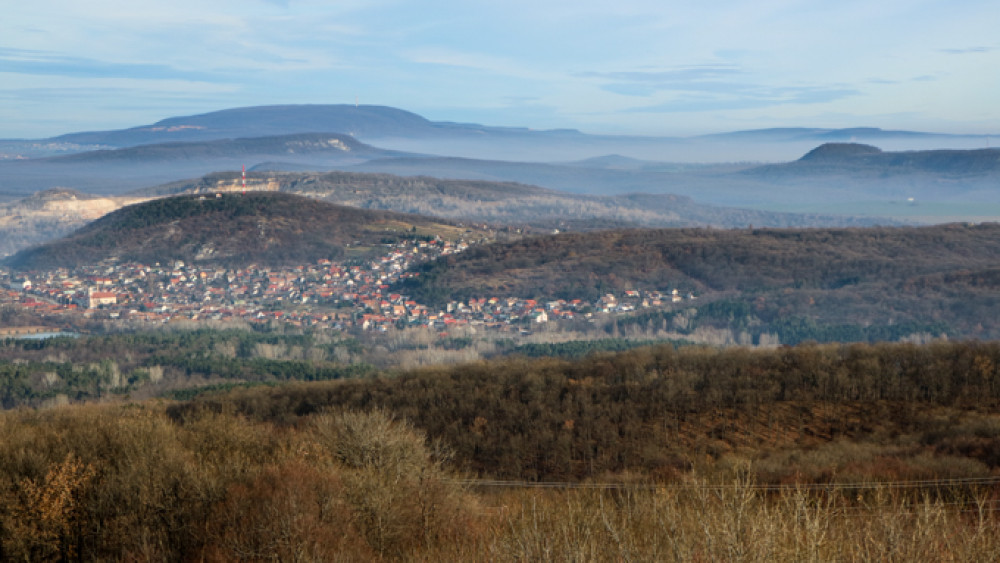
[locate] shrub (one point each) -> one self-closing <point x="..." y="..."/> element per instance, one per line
<point x="400" y="496"/>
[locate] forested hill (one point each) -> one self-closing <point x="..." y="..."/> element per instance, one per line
<point x="230" y="228"/>
<point x="945" y="273"/>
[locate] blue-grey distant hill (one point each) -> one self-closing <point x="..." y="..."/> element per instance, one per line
<point x="394" y="128"/>
<point x="831" y="173"/>
<point x="840" y="171"/>
<point x="262" y="121"/>
<point x="860" y="159"/>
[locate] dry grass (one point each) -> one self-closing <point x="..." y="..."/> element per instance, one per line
<point x="737" y="521"/>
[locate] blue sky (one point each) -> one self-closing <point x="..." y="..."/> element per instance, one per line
<point x="634" y="67"/>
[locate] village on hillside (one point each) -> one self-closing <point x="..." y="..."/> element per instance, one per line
<point x="324" y="295"/>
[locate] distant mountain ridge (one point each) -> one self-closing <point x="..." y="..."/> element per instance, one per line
<point x="360" y="121"/>
<point x="399" y="129"/>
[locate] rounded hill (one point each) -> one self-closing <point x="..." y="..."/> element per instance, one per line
<point x="267" y="228"/>
<point x="836" y="151"/>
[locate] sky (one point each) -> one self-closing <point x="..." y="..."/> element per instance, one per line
<point x="658" y="67"/>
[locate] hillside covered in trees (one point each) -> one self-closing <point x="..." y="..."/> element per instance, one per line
<point x="655" y="410"/>
<point x="944" y="276"/>
<point x="652" y="409"/>
<point x="227" y="229"/>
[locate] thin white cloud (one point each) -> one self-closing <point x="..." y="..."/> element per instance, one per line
<point x="475" y="61"/>
<point x="20" y="61"/>
<point x="967" y="51"/>
<point x="773" y="98"/>
<point x="70" y="87"/>
<point x="711" y="87"/>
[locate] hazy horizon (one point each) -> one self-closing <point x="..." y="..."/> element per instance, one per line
<point x="633" y="67"/>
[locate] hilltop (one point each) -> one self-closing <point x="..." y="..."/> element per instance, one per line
<point x="839" y="151"/>
<point x="232" y="228"/>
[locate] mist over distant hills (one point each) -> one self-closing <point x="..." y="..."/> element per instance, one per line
<point x="394" y="128"/>
<point x="500" y="203"/>
<point x="945" y="184"/>
<point x="345" y="147"/>
<point x="48" y="214"/>
<point x="114" y="171"/>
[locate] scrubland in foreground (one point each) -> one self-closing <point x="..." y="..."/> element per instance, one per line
<point x="128" y="482"/>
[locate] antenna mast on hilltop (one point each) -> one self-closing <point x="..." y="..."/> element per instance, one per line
<point x="244" y="178"/>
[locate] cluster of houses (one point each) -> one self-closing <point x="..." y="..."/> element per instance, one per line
<point x="327" y="294"/>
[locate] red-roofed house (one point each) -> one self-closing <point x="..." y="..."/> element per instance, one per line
<point x="98" y="298"/>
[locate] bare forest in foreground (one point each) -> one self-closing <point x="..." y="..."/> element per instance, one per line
<point x="818" y="452"/>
